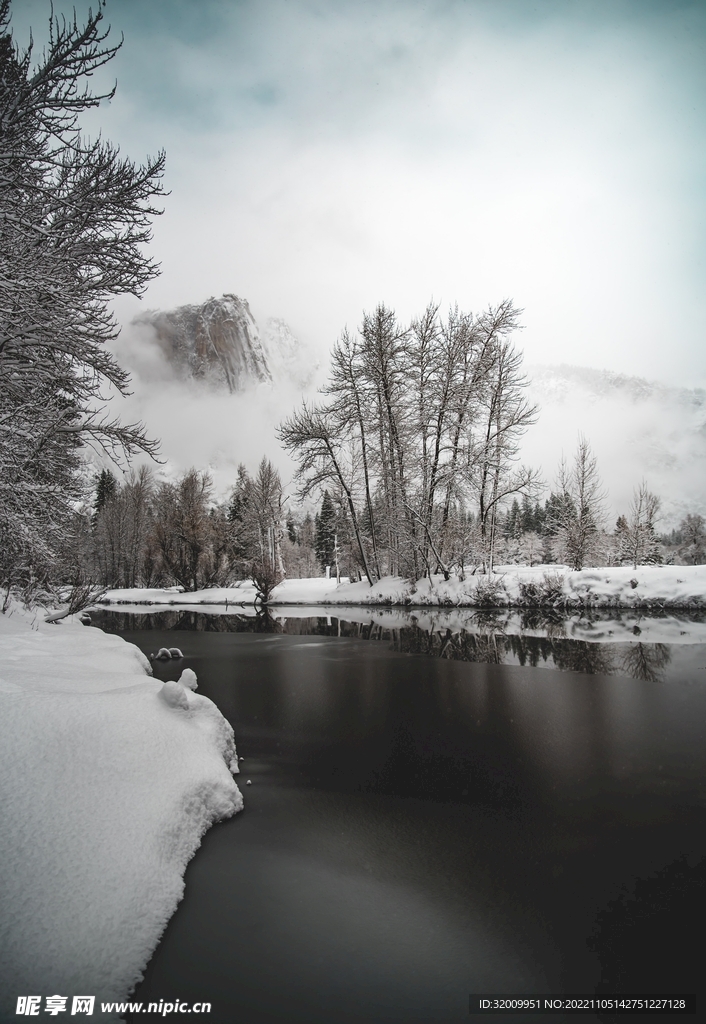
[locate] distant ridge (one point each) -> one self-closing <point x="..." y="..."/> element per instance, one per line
<point x="564" y="380"/>
<point x="639" y="430"/>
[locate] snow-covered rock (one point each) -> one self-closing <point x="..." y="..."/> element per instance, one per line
<point x="105" y="792"/>
<point x="174" y="695"/>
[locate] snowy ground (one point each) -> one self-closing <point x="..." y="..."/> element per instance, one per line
<point x="647" y="587"/>
<point x="108" y="780"/>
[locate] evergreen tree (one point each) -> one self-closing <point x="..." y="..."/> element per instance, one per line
<point x="558" y="508"/>
<point x="106" y="489"/>
<point x="692" y="530"/>
<point x="512" y="521"/>
<point x="325" y="540"/>
<point x="527" y="524"/>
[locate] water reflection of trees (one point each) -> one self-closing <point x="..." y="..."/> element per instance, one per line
<point x="542" y="618"/>
<point x="456" y="646"/>
<point x="641" y="661"/>
<point x="485" y="642"/>
<point x="530" y="650"/>
<point x="582" y="656"/>
<point x="645" y="661"/>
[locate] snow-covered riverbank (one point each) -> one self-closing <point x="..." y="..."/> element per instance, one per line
<point x="106" y="787"/>
<point x="649" y="587"/>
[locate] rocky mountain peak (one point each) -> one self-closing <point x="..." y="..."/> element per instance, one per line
<point x="218" y="342"/>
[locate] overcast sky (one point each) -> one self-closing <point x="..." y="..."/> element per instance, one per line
<point x="325" y="156"/>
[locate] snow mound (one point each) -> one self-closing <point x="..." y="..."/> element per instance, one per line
<point x="188" y="678"/>
<point x="105" y="793"/>
<point x="175" y="696"/>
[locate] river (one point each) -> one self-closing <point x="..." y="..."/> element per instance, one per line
<point x="435" y="813"/>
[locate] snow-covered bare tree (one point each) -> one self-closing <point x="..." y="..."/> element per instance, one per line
<point x="503" y="417"/>
<point x="74" y="218"/>
<point x="417" y="422"/>
<point x="122" y="550"/>
<point x="267" y="511"/>
<point x="638" y="540"/>
<point x="580" y="511"/>
<point x="692" y="530"/>
<point x="327" y="454"/>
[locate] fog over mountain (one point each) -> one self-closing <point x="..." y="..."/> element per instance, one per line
<point x="214" y="385"/>
<point x="219" y="343"/>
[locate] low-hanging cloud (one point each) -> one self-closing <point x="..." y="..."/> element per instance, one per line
<point x="203" y="426"/>
<point x="324" y="157"/>
<point x="637" y="430"/>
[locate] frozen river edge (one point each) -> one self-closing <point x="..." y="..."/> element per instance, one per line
<point x="109" y="780"/>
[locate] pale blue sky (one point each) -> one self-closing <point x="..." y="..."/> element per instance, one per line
<point x="325" y="156"/>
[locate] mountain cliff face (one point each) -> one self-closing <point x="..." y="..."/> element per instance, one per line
<point x="218" y="342"/>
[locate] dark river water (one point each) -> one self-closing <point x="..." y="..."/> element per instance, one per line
<point x="432" y="816"/>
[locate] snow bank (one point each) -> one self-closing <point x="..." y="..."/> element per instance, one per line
<point x="295" y="592"/>
<point x="106" y="788"/>
<point x="647" y="587"/>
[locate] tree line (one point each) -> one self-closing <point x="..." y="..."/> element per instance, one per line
<point x="145" y="533"/>
<point x="140" y="532"/>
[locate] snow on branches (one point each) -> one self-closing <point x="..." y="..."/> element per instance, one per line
<point x="74" y="220"/>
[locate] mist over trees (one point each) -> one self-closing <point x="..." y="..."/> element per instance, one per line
<point x="74" y="218"/>
<point x="415" y="444"/>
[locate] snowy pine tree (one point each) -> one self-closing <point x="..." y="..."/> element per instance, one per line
<point x="325" y="540"/>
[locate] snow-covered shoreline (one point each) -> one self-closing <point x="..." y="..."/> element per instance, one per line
<point x="107" y="785"/>
<point x="648" y="587"/>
